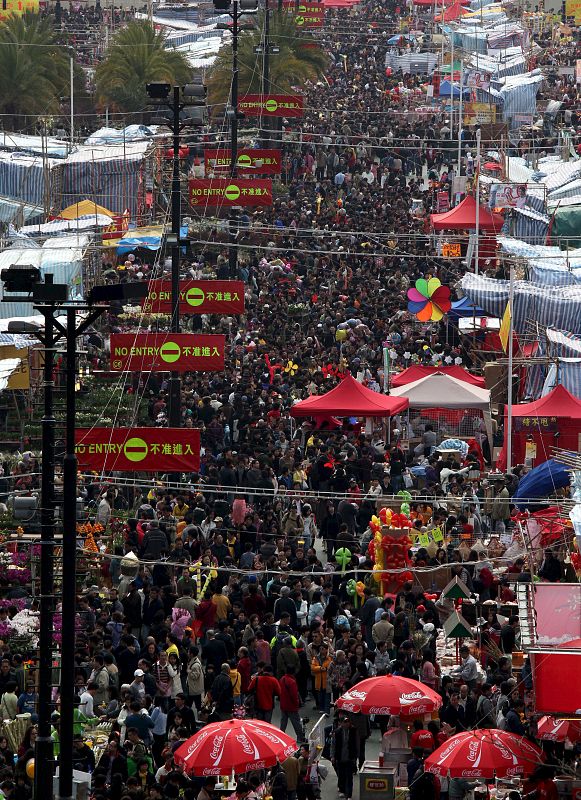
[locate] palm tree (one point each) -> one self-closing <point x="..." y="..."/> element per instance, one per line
<point x="300" y="60"/>
<point x="34" y="69"/>
<point x="137" y="56"/>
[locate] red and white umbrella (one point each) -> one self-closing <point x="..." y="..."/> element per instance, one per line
<point x="236" y="745"/>
<point x="484" y="754"/>
<point x="557" y="730"/>
<point x="390" y="694"/>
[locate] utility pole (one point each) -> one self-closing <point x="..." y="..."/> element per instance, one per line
<point x="176" y="210"/>
<point x="233" y="220"/>
<point x="43" y="756"/>
<point x="265" y="88"/>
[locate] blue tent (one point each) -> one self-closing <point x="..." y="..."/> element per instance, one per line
<point x="465" y="308"/>
<point x="446" y="90"/>
<point x="408" y="37"/>
<point x="543" y="480"/>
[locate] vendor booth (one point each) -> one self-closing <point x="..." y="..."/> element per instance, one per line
<point x="463" y="218"/>
<point x="451" y="406"/>
<point x="415" y="373"/>
<point x="350" y="399"/>
<point x="554" y="419"/>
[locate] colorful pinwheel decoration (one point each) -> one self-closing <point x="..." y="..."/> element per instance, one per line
<point x="291" y="368"/>
<point x="429" y="300"/>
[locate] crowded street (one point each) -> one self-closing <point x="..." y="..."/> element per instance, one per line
<point x="290" y="400"/>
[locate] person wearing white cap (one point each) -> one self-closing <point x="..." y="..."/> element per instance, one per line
<point x="137" y="687"/>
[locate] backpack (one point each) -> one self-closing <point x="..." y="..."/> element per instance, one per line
<point x="276" y="646"/>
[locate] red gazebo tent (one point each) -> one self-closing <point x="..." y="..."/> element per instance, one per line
<point x="350" y="399"/>
<point x="463" y="217"/>
<point x="559" y="411"/>
<point x="452" y="12"/>
<point x="414" y="373"/>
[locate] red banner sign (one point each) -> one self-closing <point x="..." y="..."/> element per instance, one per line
<point x="167" y="352"/>
<point x="230" y="192"/>
<point x="258" y="162"/>
<point x="197" y="297"/>
<point x="272" y="105"/>
<point x="552" y="671"/>
<point x="138" y="449"/>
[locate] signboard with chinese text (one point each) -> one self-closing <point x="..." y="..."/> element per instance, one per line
<point x="508" y="195"/>
<point x="257" y="162"/>
<point x="479" y="114"/>
<point x="573" y="9"/>
<point x="165" y="352"/>
<point x="271" y="105"/>
<point x="442" y="202"/>
<point x="526" y="424"/>
<point x="138" y="449"/>
<point x="451" y="250"/>
<point x="307" y="15"/>
<point x="18" y="8"/>
<point x="228" y="192"/>
<point x="196" y="297"/>
<point x="477" y="80"/>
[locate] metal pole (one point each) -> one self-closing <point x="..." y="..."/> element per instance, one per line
<point x="69" y="580"/>
<point x="510" y="363"/>
<point x="72" y="65"/>
<point x="43" y="758"/>
<point x="452" y="90"/>
<point x="175" y="386"/>
<point x="265" y="89"/>
<point x="460" y="120"/>
<point x="476" y="248"/>
<point x="233" y="227"/>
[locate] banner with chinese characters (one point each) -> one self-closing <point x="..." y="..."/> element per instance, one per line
<point x="230" y="192"/>
<point x="18" y="8"/>
<point x="138" y="449"/>
<point x="196" y="297"/>
<point x="526" y="424"/>
<point x="165" y="352"/>
<point x="257" y="162"/>
<point x="479" y="114"/>
<point x="475" y="79"/>
<point x="271" y="105"/>
<point x="451" y="250"/>
<point x="306" y="15"/>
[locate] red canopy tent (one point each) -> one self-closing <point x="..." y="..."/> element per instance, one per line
<point x="350" y="399"/>
<point x="452" y="12"/>
<point x="412" y="374"/>
<point x="559" y="411"/>
<point x="463" y="217"/>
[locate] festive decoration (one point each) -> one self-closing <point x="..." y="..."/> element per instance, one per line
<point x="343" y="557"/>
<point x="389" y="549"/>
<point x="30" y="768"/>
<point x="429" y="300"/>
<point x="209" y="577"/>
<point x="291" y="368"/>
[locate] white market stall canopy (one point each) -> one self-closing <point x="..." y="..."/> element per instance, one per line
<point x="443" y="391"/>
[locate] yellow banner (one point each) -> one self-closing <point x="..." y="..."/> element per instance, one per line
<point x="573" y="9"/>
<point x="479" y="114"/>
<point x="20" y="378"/>
<point x="18" y="8"/>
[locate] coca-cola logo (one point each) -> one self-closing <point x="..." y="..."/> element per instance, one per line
<point x="408" y="699"/>
<point x="255" y="765"/>
<point x="473" y="749"/>
<point x="354" y="708"/>
<point x="216" y="744"/>
<point x="454" y="743"/>
<point x="211" y="771"/>
<point x="246" y="745"/>
<point x="380" y="710"/>
<point x="355" y="695"/>
<point x="471" y="773"/>
<point x="514" y="771"/>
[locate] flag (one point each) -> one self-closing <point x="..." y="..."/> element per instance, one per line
<point x="505" y="327"/>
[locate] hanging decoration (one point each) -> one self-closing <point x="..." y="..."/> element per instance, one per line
<point x="429" y="300"/>
<point x="389" y="549"/>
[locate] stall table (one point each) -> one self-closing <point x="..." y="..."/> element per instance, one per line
<point x="375" y="782"/>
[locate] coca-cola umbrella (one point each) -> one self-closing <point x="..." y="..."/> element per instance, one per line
<point x="390" y="694"/>
<point x="484" y="753"/>
<point x="557" y="730"/>
<point x="236" y="745"/>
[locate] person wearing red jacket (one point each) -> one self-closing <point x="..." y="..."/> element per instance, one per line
<point x="245" y="669"/>
<point x="290" y="703"/>
<point x="266" y="688"/>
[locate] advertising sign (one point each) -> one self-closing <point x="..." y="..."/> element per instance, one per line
<point x="551" y="671"/>
<point x="479" y="114"/>
<point x="271" y="105"/>
<point x="451" y="250"/>
<point x="229" y="192"/>
<point x="307" y="15"/>
<point x="167" y="352"/>
<point x="508" y="195"/>
<point x="138" y="449"/>
<point x="18" y="8"/>
<point x="196" y="297"/>
<point x="573" y="9"/>
<point x="257" y="162"/>
<point x="475" y="79"/>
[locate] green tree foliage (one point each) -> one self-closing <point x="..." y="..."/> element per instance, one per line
<point x="300" y="60"/>
<point x="137" y="56"/>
